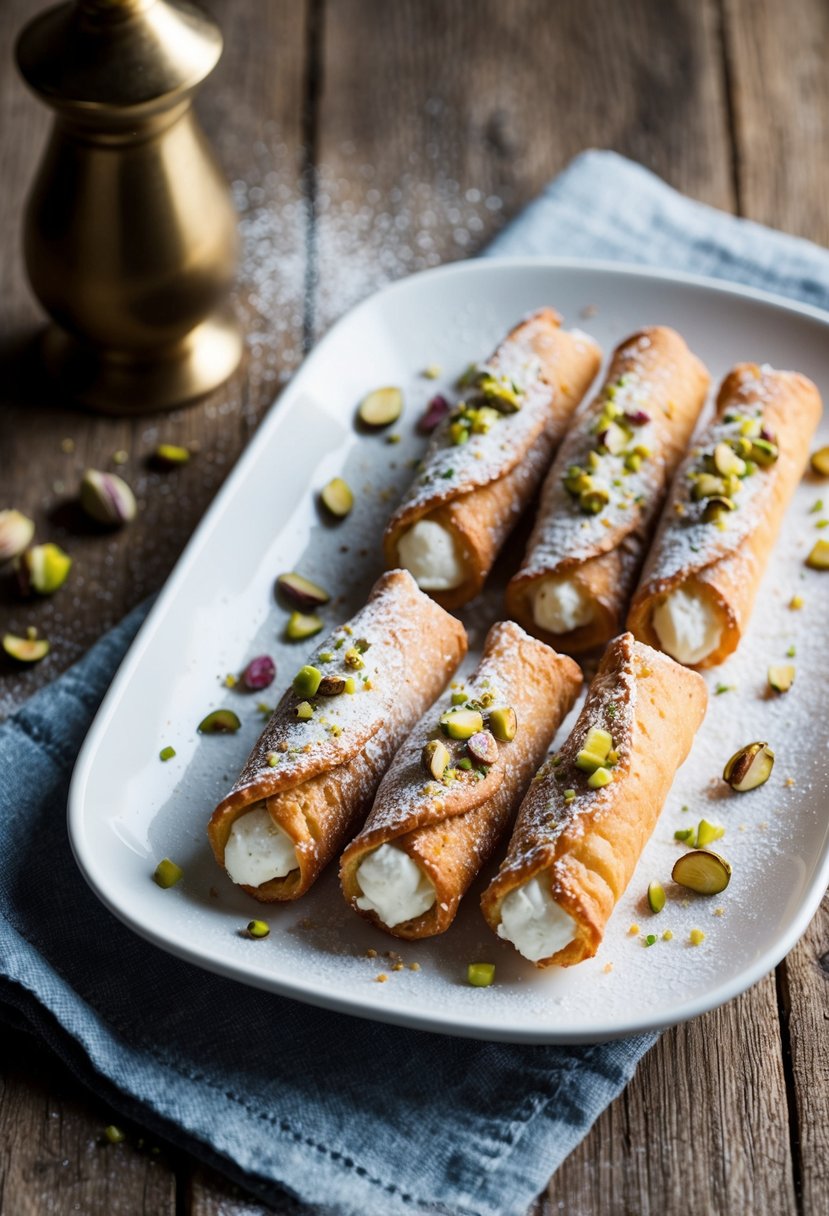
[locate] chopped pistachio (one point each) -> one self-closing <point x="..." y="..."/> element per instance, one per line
<point x="25" y="650"/>
<point x="307" y="681"/>
<point x="569" y="795"/>
<point x="685" y="835"/>
<point x="350" y="685"/>
<point x="301" y="625"/>
<point x="465" y="764"/>
<point x="749" y="767"/>
<point x="656" y="896"/>
<point x="600" y="778"/>
<point x="114" y="1134"/>
<point x="337" y="498"/>
<point x="16" y="533"/>
<point x="594" y="499"/>
<point x="305" y="711"/>
<point x="781" y="677"/>
<point x="107" y="498"/>
<point x="331" y="686"/>
<point x="716" y="508"/>
<point x="816" y="507"/>
<point x="483" y="748"/>
<point x="597" y="745"/>
<point x="727" y="462"/>
<point x="633" y="931"/>
<point x="796" y="603"/>
<point x="461" y="723"/>
<point x="273" y="759"/>
<point x="381" y="407"/>
<point x="708" y="832"/>
<point x="459" y="698"/>
<point x="435" y="758"/>
<point x="703" y="871"/>
<point x="432" y="371"/>
<point x="170" y="456"/>
<point x="791" y="652"/>
<point x="258" y="929"/>
<point x="166" y="753"/>
<point x="503" y="722"/>
<point x="301" y="592"/>
<point x="820" y="462"/>
<point x="667" y="936"/>
<point x="696" y="937"/>
<point x="818" y="558"/>
<point x="219" y="722"/>
<point x="167" y="873"/>
<point x="650" y="940"/>
<point x="723" y="688"/>
<point x="480" y="975"/>
<point x="353" y="659"/>
<point x="43" y="569"/>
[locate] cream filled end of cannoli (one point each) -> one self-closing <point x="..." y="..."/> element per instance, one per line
<point x="687" y="624"/>
<point x="429" y="552"/>
<point x="393" y="886"/>
<point x="560" y="605"/>
<point x="258" y="849"/>
<point x="534" y="923"/>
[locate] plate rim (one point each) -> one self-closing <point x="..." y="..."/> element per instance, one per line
<point x="313" y="993"/>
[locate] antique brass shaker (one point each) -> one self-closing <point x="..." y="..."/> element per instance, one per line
<point x="129" y="232"/>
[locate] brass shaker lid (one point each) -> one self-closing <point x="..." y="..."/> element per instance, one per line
<point x="97" y="55"/>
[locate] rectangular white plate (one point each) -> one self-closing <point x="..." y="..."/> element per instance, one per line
<point x="127" y="809"/>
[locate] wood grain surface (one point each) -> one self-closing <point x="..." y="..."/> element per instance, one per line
<point x="366" y="140"/>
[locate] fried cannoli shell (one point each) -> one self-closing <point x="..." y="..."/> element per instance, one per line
<point x="726" y="566"/>
<point x="451" y="830"/>
<point x="584" y="851"/>
<point x="477" y="490"/>
<point x="318" y="778"/>
<point x="602" y="554"/>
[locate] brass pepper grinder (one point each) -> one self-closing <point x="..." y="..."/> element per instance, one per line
<point x="129" y="232"/>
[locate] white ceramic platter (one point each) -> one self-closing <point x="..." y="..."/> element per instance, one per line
<point x="127" y="809"/>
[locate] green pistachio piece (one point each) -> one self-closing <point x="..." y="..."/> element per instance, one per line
<point x="331" y="686"/>
<point x="727" y="462"/>
<point x="107" y="498"/>
<point x="499" y="392"/>
<point x="114" y="1134"/>
<point x="781" y="677"/>
<point x="25" y="650"/>
<point x="219" y="722"/>
<point x="459" y="698"/>
<point x="716" y="508"/>
<point x="258" y="929"/>
<point x="484" y="420"/>
<point x="751" y="427"/>
<point x="337" y="497"/>
<point x="167" y="873"/>
<point x="764" y="452"/>
<point x="599" y="778"/>
<point x="301" y="626"/>
<point x="594" y="500"/>
<point x="656" y="896"/>
<point x="307" y="681"/>
<point x="465" y="764"/>
<point x="353" y="658"/>
<point x="43" y="568"/>
<point x="16" y="533"/>
<point x="480" y="975"/>
<point x="820" y="462"/>
<point x="702" y="871"/>
<point x="350" y="685"/>
<point x="818" y="558"/>
<point x="305" y="711"/>
<point x="166" y="753"/>
<point x="461" y="723"/>
<point x="301" y="592"/>
<point x="633" y="462"/>
<point x="381" y="407"/>
<point x="458" y="433"/>
<point x="706" y="485"/>
<point x="503" y="722"/>
<point x="170" y="456"/>
<point x="435" y="758"/>
<point x="708" y="832"/>
<point x="750" y="767"/>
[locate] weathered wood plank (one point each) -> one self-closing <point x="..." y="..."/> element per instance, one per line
<point x="54" y="1157"/>
<point x="252" y="108"/>
<point x="209" y="1194"/>
<point x="439" y="120"/>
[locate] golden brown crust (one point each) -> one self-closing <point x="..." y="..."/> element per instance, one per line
<point x="482" y="499"/>
<point x="602" y="556"/>
<point x="586" y="850"/>
<point x="728" y="566"/>
<point x="450" y="831"/>
<point x="326" y="771"/>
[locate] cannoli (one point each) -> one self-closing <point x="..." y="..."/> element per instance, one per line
<point x="453" y="787"/>
<point x="313" y="772"/>
<point x="487" y="457"/>
<point x="591" y="809"/>
<point x="602" y="496"/>
<point x="723" y="515"/>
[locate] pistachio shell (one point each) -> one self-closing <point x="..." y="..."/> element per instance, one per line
<point x="42" y="569"/>
<point x="107" y="498"/>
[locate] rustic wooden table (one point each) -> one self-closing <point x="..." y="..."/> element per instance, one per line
<point x="366" y="140"/>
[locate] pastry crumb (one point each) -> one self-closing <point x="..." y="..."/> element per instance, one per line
<point x="608" y="967"/>
<point x="381" y="978"/>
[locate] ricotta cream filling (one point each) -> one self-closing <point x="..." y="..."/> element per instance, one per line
<point x="258" y="849"/>
<point x="687" y="626"/>
<point x="428" y="552"/>
<point x="393" y="886"/>
<point x="559" y="605"/>
<point x="534" y="923"/>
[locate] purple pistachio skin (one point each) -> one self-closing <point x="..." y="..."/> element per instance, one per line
<point x="436" y="411"/>
<point x="483" y="747"/>
<point x="260" y="673"/>
<point x="637" y="417"/>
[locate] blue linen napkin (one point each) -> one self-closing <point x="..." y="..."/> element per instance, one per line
<point x="345" y="1115"/>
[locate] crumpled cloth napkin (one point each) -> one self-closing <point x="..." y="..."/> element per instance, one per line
<point x="341" y="1114"/>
